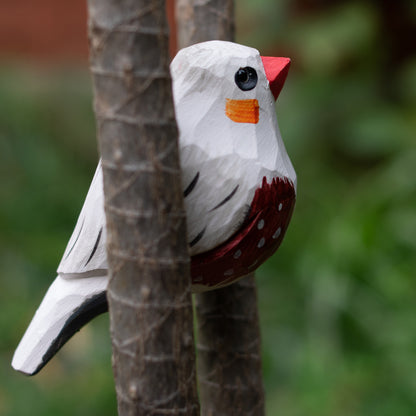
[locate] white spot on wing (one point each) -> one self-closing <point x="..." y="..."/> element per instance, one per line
<point x="277" y="233"/>
<point x="237" y="254"/>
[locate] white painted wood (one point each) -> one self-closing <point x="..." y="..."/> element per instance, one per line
<point x="225" y="153"/>
<point x="60" y="304"/>
<point x="224" y="159"/>
<point x="83" y="255"/>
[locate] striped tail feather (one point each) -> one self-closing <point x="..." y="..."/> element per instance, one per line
<point x="67" y="306"/>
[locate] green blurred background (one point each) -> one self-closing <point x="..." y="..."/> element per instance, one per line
<point x="337" y="301"/>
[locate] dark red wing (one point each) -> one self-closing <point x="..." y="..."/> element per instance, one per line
<point x="258" y="238"/>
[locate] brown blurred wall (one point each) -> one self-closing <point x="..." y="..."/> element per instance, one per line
<point x="48" y="31"/>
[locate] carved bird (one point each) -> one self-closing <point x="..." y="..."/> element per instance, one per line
<point x="238" y="183"/>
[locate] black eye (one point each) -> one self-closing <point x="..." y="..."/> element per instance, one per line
<point x="246" y="78"/>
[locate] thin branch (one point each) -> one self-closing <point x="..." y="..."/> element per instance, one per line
<point x="229" y="363"/>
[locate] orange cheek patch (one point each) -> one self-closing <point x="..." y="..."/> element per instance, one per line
<point x="242" y="111"/>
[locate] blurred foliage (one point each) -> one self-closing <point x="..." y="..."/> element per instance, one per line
<point x="337" y="299"/>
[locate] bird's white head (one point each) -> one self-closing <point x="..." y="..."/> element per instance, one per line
<point x="225" y="105"/>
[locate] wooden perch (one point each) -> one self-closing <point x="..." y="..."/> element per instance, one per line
<point x="149" y="291"/>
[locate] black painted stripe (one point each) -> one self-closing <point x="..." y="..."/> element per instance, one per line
<point x="73" y="245"/>
<point x="197" y="238"/>
<point x="88" y="310"/>
<point x="226" y="199"/>
<point x="191" y="186"/>
<point x="94" y="249"/>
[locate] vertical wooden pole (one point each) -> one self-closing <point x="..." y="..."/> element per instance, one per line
<point x="149" y="290"/>
<point x="229" y="356"/>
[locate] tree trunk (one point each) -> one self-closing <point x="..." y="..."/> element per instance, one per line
<point x="229" y="353"/>
<point x="229" y="356"/>
<point x="198" y="21"/>
<point x="149" y="290"/>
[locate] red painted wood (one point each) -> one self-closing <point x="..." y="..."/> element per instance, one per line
<point x="276" y="72"/>
<point x="258" y="238"/>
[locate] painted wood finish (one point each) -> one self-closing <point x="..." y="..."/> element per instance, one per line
<point x="238" y="182"/>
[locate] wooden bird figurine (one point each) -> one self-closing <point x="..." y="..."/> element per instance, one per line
<point x="238" y="183"/>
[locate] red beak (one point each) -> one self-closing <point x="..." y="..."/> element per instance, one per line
<point x="276" y="72"/>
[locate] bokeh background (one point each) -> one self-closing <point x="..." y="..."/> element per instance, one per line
<point x="337" y="301"/>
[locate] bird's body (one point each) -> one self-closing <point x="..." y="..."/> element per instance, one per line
<point x="238" y="182"/>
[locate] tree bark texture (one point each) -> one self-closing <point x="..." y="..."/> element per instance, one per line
<point x="229" y="353"/>
<point x="229" y="347"/>
<point x="201" y="20"/>
<point x="149" y="290"/>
